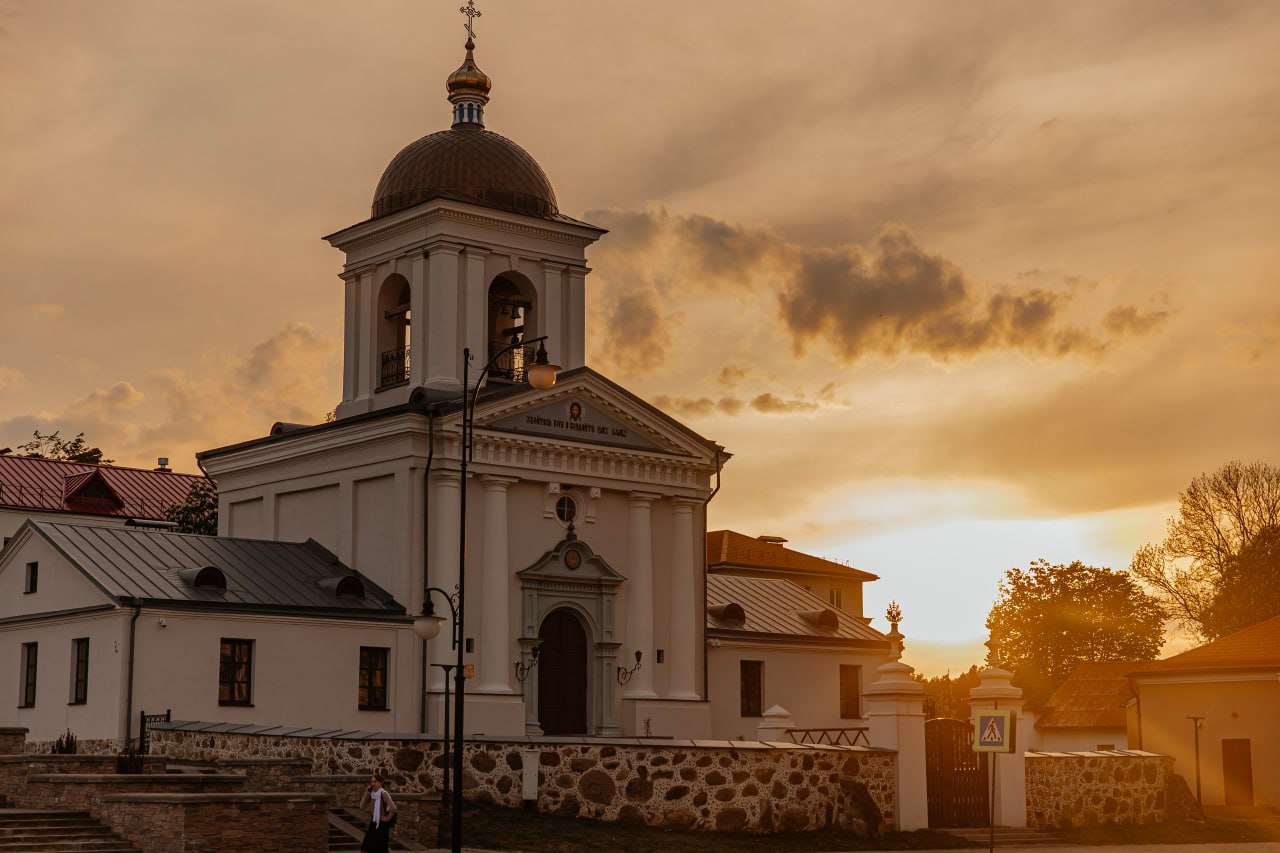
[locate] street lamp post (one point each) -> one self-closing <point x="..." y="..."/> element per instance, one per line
<point x="541" y="375"/>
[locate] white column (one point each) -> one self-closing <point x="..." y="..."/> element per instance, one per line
<point x="476" y="308"/>
<point x="367" y="373"/>
<point x="576" y="331"/>
<point x="418" y="314"/>
<point x="995" y="691"/>
<point x="351" y="339"/>
<point x="444" y="561"/>
<point x="684" y="615"/>
<point x="639" y="588"/>
<point x="444" y="349"/>
<point x="551" y="312"/>
<point x="495" y="628"/>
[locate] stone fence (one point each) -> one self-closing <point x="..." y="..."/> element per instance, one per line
<point x="717" y="785"/>
<point x="1090" y="788"/>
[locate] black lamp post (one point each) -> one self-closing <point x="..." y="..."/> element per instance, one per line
<point x="541" y="375"/>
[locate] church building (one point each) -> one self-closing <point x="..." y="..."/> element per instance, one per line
<point x="583" y="530"/>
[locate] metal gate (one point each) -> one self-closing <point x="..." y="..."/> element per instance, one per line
<point x="956" y="775"/>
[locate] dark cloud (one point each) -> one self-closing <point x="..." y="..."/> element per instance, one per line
<point x="639" y="331"/>
<point x="699" y="406"/>
<point x="771" y="404"/>
<point x="902" y="299"/>
<point x="1127" y="320"/>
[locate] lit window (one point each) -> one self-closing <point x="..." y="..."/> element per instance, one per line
<point x="235" y="672"/>
<point x="372" y="688"/>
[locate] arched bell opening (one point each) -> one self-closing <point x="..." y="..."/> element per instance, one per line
<point x="511" y="319"/>
<point x="393" y="332"/>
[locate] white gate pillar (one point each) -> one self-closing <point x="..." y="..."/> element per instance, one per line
<point x="895" y="711"/>
<point x="995" y="692"/>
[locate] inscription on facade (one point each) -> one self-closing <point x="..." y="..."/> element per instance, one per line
<point x="574" y="418"/>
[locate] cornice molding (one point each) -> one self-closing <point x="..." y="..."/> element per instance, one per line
<point x="372" y="231"/>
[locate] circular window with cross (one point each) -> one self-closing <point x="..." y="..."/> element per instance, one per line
<point x="567" y="509"/>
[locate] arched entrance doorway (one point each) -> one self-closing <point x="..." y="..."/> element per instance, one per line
<point x="562" y="675"/>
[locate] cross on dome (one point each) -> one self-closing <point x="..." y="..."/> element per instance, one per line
<point x="472" y="13"/>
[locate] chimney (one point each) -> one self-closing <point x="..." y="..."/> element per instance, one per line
<point x="162" y="464"/>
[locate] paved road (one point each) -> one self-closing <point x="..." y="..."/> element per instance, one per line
<point x="1256" y="847"/>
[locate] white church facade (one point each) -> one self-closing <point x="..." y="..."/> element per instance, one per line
<point x="586" y="509"/>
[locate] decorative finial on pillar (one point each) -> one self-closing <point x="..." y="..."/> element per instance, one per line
<point x="472" y="13"/>
<point x="896" y="643"/>
<point x="893" y="614"/>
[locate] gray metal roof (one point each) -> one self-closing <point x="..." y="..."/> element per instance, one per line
<point x="129" y="563"/>
<point x="775" y="607"/>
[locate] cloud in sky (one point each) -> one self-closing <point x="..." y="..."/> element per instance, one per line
<point x="890" y="299"/>
<point x="290" y="376"/>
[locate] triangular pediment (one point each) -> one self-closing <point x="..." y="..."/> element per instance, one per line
<point x="587" y="408"/>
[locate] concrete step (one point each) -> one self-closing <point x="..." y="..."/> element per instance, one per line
<point x="56" y="831"/>
<point x="1005" y="836"/>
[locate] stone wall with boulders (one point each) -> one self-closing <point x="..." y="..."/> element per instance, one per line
<point x="718" y="785"/>
<point x="1091" y="788"/>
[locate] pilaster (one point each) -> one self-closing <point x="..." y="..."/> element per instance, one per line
<point x="444" y="347"/>
<point x="495" y="627"/>
<point x="639" y="588"/>
<point x="684" y="616"/>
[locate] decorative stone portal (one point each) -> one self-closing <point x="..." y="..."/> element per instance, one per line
<point x="570" y="582"/>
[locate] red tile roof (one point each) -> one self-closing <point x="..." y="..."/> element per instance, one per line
<point x="1093" y="696"/>
<point x="728" y="547"/>
<point x="1255" y="647"/>
<point x="48" y="485"/>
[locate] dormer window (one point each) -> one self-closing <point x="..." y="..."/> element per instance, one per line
<point x="209" y="579"/>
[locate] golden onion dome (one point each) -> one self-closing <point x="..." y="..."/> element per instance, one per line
<point x="469" y="79"/>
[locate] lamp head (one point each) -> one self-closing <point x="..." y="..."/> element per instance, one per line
<point x="427" y="624"/>
<point x="542" y="373"/>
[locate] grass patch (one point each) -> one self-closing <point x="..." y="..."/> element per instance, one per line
<point x="1212" y="831"/>
<point x="497" y="828"/>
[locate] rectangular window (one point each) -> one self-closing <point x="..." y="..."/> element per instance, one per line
<point x="235" y="672"/>
<point x="850" y="692"/>
<point x="33" y="578"/>
<point x="752" y="672"/>
<point x="837" y="597"/>
<point x="29" y="675"/>
<point x="80" y="671"/>
<point x="372" y="687"/>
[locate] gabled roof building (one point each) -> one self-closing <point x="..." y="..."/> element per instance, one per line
<point x="51" y="489"/>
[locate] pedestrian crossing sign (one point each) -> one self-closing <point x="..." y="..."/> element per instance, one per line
<point x="992" y="731"/>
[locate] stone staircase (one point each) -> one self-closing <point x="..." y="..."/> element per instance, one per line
<point x="346" y="831"/>
<point x="1006" y="836"/>
<point x="30" y="830"/>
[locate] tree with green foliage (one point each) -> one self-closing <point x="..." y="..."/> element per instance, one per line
<point x="198" y="513"/>
<point x="1249" y="592"/>
<point x="1047" y="618"/>
<point x="947" y="695"/>
<point x="1219" y="516"/>
<point x="53" y="446"/>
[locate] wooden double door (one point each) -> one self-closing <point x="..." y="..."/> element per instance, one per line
<point x="562" y="675"/>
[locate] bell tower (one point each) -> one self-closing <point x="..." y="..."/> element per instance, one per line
<point x="465" y="248"/>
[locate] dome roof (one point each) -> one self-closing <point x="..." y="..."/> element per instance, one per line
<point x="467" y="163"/>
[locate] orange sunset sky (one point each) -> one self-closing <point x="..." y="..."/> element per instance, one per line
<point x="960" y="285"/>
